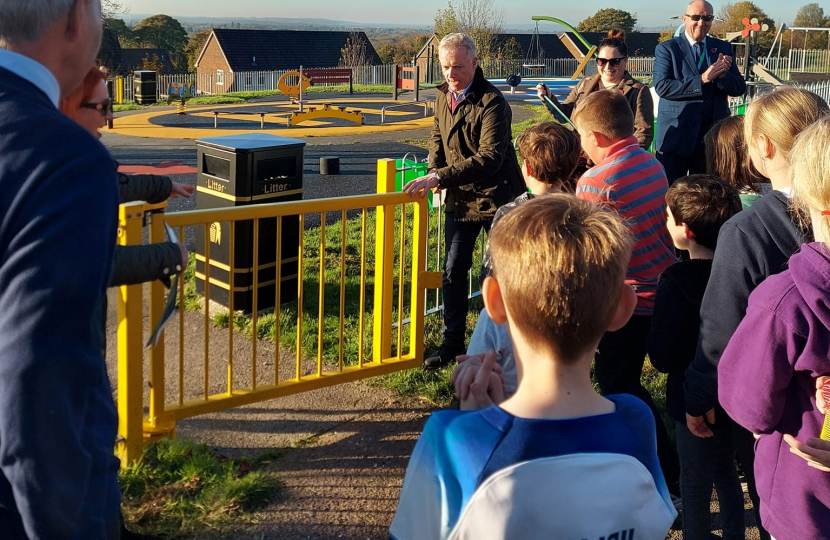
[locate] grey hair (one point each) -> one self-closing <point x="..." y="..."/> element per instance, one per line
<point x="24" y="21"/>
<point x="450" y="42"/>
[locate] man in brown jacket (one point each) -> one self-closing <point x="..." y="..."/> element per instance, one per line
<point x="471" y="156"/>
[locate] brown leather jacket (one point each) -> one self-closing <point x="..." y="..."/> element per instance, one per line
<point x="472" y="151"/>
<point x="637" y="94"/>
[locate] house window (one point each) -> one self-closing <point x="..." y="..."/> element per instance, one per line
<point x="220" y="76"/>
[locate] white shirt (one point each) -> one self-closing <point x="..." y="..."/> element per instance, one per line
<point x="33" y="71"/>
<point x="692" y="42"/>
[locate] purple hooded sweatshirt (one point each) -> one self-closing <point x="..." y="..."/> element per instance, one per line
<point x="767" y="383"/>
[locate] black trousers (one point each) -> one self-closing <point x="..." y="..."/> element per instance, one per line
<point x="618" y="367"/>
<point x="677" y="166"/>
<point x="460" y="241"/>
<point x="705" y="462"/>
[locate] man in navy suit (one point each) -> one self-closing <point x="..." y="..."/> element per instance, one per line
<point x="694" y="75"/>
<point x="58" y="474"/>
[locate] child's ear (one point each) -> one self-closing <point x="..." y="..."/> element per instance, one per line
<point x="625" y="308"/>
<point x="765" y="146"/>
<point x="601" y="140"/>
<point x="493" y="301"/>
<point x="526" y="167"/>
<point x="687" y="232"/>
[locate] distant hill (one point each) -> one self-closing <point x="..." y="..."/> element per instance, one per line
<point x="195" y="23"/>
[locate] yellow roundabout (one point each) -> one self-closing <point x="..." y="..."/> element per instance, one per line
<point x="141" y="124"/>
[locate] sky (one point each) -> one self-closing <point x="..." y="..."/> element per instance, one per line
<point x="650" y="13"/>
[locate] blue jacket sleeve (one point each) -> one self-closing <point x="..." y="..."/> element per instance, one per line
<point x="57" y="417"/>
<point x="736" y="271"/>
<point x="670" y="83"/>
<point x="733" y="83"/>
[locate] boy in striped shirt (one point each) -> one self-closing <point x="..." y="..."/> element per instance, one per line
<point x="632" y="182"/>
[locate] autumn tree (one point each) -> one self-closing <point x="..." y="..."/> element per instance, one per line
<point x="810" y="16"/>
<point x="163" y="32"/>
<point x="666" y="34"/>
<point x="195" y="44"/>
<point x="353" y="52"/>
<point x="151" y="63"/>
<point x="608" y="19"/>
<point x="120" y="29"/>
<point x="733" y="15"/>
<point x="482" y="20"/>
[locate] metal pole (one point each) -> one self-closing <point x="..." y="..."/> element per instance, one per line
<point x="301" y="88"/>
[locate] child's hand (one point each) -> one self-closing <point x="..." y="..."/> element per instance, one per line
<point x="815" y="452"/>
<point x="465" y="373"/>
<point x="181" y="190"/>
<point x="697" y="424"/>
<point x="821" y="405"/>
<point x="487" y="387"/>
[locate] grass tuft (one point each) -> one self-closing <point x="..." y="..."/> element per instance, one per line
<point x="181" y="489"/>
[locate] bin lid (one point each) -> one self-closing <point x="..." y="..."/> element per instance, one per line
<point x="250" y="141"/>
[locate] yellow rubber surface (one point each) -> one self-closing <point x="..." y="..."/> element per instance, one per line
<point x="139" y="125"/>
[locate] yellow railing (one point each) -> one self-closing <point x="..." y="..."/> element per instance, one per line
<point x="400" y="244"/>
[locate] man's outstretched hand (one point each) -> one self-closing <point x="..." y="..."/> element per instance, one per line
<point x="421" y="186"/>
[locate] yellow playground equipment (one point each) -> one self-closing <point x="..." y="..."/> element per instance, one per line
<point x="294" y="90"/>
<point x="326" y="111"/>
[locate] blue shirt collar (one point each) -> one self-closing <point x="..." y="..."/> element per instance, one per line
<point x="33" y="71"/>
<point x="464" y="92"/>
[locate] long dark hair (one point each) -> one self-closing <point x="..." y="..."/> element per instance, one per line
<point x="727" y="155"/>
<point x="616" y="40"/>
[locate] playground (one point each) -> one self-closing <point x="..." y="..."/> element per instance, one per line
<point x="344" y="446"/>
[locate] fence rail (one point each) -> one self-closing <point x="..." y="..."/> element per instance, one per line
<point x="797" y="61"/>
<point x="206" y="371"/>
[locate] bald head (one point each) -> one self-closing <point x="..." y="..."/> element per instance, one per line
<point x="704" y="13"/>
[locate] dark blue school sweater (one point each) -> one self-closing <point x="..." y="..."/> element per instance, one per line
<point x="58" y="201"/>
<point x="753" y="245"/>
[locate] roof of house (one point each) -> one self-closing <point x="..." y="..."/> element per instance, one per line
<point x="131" y="59"/>
<point x="639" y="43"/>
<point x="551" y="45"/>
<point x="268" y="50"/>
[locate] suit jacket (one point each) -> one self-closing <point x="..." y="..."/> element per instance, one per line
<point x="472" y="151"/>
<point x="680" y="87"/>
<point x="58" y="474"/>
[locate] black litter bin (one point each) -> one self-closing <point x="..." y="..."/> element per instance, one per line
<point x="240" y="170"/>
<point x="146" y="87"/>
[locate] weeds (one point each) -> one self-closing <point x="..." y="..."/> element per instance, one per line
<point x="181" y="489"/>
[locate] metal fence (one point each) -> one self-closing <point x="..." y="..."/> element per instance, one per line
<point x="328" y="332"/>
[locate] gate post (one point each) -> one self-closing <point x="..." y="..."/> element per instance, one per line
<point x="130" y="351"/>
<point x="384" y="265"/>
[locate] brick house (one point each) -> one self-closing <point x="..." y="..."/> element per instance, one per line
<point x="254" y="53"/>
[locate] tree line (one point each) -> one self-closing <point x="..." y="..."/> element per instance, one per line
<point x="481" y="19"/>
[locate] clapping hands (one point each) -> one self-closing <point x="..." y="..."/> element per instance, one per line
<point x="718" y="69"/>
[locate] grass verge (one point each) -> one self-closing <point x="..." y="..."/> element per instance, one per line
<point x="181" y="489"/>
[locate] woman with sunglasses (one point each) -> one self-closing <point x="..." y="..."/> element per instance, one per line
<point x="612" y="61"/>
<point x="91" y="107"/>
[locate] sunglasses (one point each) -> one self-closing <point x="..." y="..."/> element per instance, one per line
<point x="613" y="61"/>
<point x="705" y="18"/>
<point x="104" y="107"/>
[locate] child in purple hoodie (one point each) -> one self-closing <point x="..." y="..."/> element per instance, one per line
<point x="767" y="374"/>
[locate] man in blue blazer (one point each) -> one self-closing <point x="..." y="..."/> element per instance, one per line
<point x="58" y="200"/>
<point x="694" y="76"/>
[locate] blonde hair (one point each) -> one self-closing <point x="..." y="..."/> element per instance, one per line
<point x="560" y="263"/>
<point x="810" y="162"/>
<point x="781" y="115"/>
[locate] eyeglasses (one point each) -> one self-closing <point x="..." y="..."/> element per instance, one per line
<point x="705" y="18"/>
<point x="104" y="107"/>
<point x="613" y="61"/>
